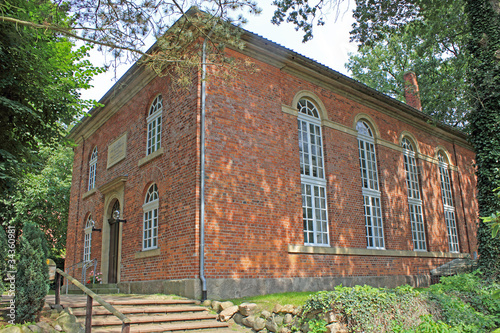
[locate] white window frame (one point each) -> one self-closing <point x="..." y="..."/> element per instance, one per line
<point x="448" y="206"/>
<point x="414" y="196"/>
<point x="154" y="121"/>
<point x="92" y="169"/>
<point x="87" y="240"/>
<point x="372" y="202"/>
<point x="150" y="219"/>
<point x="312" y="175"/>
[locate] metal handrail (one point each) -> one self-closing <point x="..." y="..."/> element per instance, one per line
<point x="90" y="297"/>
<point x="85" y="265"/>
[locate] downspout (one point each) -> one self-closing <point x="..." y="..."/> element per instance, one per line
<point x="202" y="167"/>
<point x="462" y="198"/>
<point x="78" y="201"/>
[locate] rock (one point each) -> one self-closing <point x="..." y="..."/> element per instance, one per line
<point x="248" y="309"/>
<point x="228" y="313"/>
<point x="248" y="321"/>
<point x="336" y="328"/>
<point x="225" y="305"/>
<point x="277" y="308"/>
<point x="216" y="306"/>
<point x="74" y="328"/>
<point x="288" y="308"/>
<point x="284" y="330"/>
<point x="288" y="319"/>
<point x="332" y="317"/>
<point x="207" y="303"/>
<point x="35" y="328"/>
<point x="65" y="318"/>
<point x="58" y="328"/>
<point x="259" y="324"/>
<point x="44" y="326"/>
<point x="271" y="325"/>
<point x="238" y="318"/>
<point x="265" y="314"/>
<point x="305" y="328"/>
<point x="297" y="310"/>
<point x="279" y="320"/>
<point x="12" y="329"/>
<point x="57" y="307"/>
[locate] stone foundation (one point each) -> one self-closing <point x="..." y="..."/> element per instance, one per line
<point x="236" y="288"/>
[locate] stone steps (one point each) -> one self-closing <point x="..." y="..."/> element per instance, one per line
<point x="147" y="314"/>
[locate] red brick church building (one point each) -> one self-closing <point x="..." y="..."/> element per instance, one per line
<point x="293" y="177"/>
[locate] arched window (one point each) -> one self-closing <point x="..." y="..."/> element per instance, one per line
<point x="92" y="168"/>
<point x="449" y="208"/>
<point x="414" y="198"/>
<point x="154" y="125"/>
<point x="370" y="186"/>
<point x="314" y="210"/>
<point x="87" y="241"/>
<point x="150" y="230"/>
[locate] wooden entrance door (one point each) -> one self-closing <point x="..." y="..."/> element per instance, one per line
<point x="114" y="234"/>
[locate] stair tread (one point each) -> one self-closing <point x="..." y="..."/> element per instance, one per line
<point x="150" y="328"/>
<point x="111" y="321"/>
<point x="142" y="309"/>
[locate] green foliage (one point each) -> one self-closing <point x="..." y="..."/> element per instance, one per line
<point x="3" y="258"/>
<point x="465" y="301"/>
<point x="317" y="326"/>
<point x="369" y="309"/>
<point x="421" y="45"/>
<point x="484" y="120"/>
<point x="43" y="195"/>
<point x="428" y="325"/>
<point x="32" y="279"/>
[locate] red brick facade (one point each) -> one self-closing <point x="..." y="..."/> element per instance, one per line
<point x="253" y="201"/>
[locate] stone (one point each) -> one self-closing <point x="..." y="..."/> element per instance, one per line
<point x="207" y="303"/>
<point x="216" y="306"/>
<point x="277" y="308"/>
<point x="65" y="319"/>
<point x="279" y="320"/>
<point x="12" y="329"/>
<point x="248" y="309"/>
<point x="271" y="325"/>
<point x="265" y="314"/>
<point x="35" y="328"/>
<point x="225" y="305"/>
<point x="284" y="329"/>
<point x="288" y="308"/>
<point x="58" y="328"/>
<point x="44" y="326"/>
<point x="248" y="321"/>
<point x="74" y="328"/>
<point x="238" y="318"/>
<point x="297" y="310"/>
<point x="336" y="328"/>
<point x="57" y="307"/>
<point x="228" y="313"/>
<point x="259" y="324"/>
<point x="305" y="328"/>
<point x="288" y="319"/>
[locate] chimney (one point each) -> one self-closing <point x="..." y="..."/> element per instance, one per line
<point x="412" y="95"/>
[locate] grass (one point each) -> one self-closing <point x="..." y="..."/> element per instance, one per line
<point x="267" y="302"/>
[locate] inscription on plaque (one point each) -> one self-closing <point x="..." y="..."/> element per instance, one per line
<point x="117" y="151"/>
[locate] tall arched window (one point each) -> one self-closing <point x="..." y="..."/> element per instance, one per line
<point x="370" y="187"/>
<point x="414" y="198"/>
<point x="154" y="125"/>
<point x="150" y="230"/>
<point x="92" y="168"/>
<point x="449" y="208"/>
<point x="314" y="210"/>
<point x="87" y="241"/>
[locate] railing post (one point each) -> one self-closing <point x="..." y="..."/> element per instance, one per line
<point x="126" y="328"/>
<point x="88" y="315"/>
<point x="58" y="288"/>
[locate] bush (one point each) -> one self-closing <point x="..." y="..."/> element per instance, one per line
<point x="32" y="279"/>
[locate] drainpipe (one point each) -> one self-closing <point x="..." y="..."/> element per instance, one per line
<point x="462" y="199"/>
<point x="202" y="168"/>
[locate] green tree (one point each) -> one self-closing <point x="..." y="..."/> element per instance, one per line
<point x="32" y="278"/>
<point x="422" y="46"/>
<point x="43" y="196"/>
<point x="484" y="118"/>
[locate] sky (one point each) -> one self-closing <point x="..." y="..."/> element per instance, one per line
<point x="330" y="45"/>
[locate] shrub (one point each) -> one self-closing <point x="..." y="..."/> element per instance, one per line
<point x="32" y="279"/>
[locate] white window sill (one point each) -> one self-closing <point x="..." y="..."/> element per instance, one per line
<point x="147" y="253"/>
<point x="150" y="157"/>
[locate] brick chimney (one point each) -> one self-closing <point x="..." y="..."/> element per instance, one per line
<point x="412" y="95"/>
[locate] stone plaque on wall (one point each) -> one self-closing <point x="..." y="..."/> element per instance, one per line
<point x="117" y="151"/>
